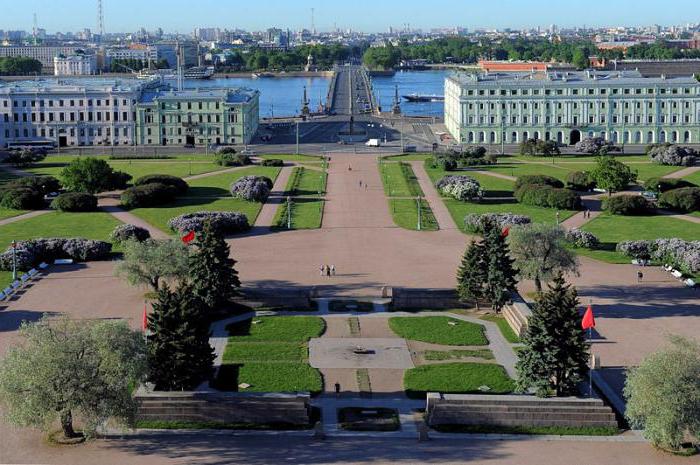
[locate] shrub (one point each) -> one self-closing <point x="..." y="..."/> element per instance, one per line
<point x="224" y="222"/>
<point x="34" y="251"/>
<point x="491" y="159"/>
<point x="231" y="159"/>
<point x="672" y="155"/>
<point x="636" y="249"/>
<point x="582" y="239"/>
<point x="225" y="150"/>
<point x="476" y="223"/>
<point x="118" y="180"/>
<point x="685" y="199"/>
<point x="148" y="195"/>
<point x="612" y="175"/>
<point x="579" y="181"/>
<point x="129" y="232"/>
<point x="21" y="198"/>
<point x="473" y="152"/>
<point x="684" y="255"/>
<point x="595" y="146"/>
<point x="627" y="205"/>
<point x="43" y="184"/>
<point x="460" y="187"/>
<point x="546" y="196"/>
<point x="658" y="184"/>
<point x="538" y="179"/>
<point x="538" y="147"/>
<point x="272" y="162"/>
<point x="75" y="202"/>
<point x="445" y="163"/>
<point x="252" y="188"/>
<point x="92" y="175"/>
<point x="179" y="184"/>
<point x="24" y="158"/>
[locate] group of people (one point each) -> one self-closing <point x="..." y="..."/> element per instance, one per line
<point x="327" y="270"/>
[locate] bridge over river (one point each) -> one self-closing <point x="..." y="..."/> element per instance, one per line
<point x="350" y="91"/>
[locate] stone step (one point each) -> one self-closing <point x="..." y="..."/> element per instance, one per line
<point x="527" y="408"/>
<point x="476" y="415"/>
<point x="496" y="401"/>
<point x="537" y="422"/>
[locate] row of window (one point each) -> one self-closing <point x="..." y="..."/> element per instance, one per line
<point x="575" y="120"/>
<point x="591" y="105"/>
<point x="635" y="137"/>
<point x="67" y="102"/>
<point x="588" y="91"/>
<point x="68" y="116"/>
<point x="173" y="131"/>
<point x="43" y="132"/>
<point x="178" y="106"/>
<point x="178" y="119"/>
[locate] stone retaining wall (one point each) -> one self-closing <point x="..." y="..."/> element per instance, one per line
<point x="517" y="313"/>
<point x="225" y="407"/>
<point x="515" y="410"/>
<point x="424" y="298"/>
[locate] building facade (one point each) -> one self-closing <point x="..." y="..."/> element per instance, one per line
<point x="621" y="107"/>
<point x="44" y="54"/>
<point x="198" y="117"/>
<point x="79" y="64"/>
<point x="77" y="112"/>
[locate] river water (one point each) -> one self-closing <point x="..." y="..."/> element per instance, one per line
<point x="282" y="96"/>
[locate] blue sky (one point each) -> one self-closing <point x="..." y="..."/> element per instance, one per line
<point x="362" y="15"/>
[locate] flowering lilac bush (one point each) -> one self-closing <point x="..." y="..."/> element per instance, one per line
<point x="476" y="223"/>
<point x="252" y="188"/>
<point x="672" y="155"/>
<point x="684" y="255"/>
<point x="595" y="146"/>
<point x="129" y="232"/>
<point x="34" y="251"/>
<point x="224" y="222"/>
<point x="460" y="187"/>
<point x="579" y="238"/>
<point x="635" y="249"/>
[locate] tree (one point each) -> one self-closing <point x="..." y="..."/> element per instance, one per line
<point x="663" y="394"/>
<point x="500" y="275"/>
<point x="580" y="59"/>
<point x="179" y="354"/>
<point x="540" y="252"/>
<point x="92" y="175"/>
<point x="66" y="368"/>
<point x="152" y="261"/>
<point x="471" y="275"/>
<point x="555" y="353"/>
<point x="612" y="175"/>
<point x="212" y="273"/>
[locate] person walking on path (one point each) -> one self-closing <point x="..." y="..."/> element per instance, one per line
<point x="332" y="270"/>
<point x="328" y="271"/>
<point x="640" y="276"/>
<point x="322" y="269"/>
<point x="360" y="182"/>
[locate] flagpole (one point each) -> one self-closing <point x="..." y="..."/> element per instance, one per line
<point x="590" y="362"/>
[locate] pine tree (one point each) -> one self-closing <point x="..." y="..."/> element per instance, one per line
<point x="556" y="351"/>
<point x="179" y="354"/>
<point x="212" y="274"/>
<point x="500" y="274"/>
<point x="471" y="274"/>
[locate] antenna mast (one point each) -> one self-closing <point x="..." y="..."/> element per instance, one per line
<point x="35" y="31"/>
<point x="100" y="19"/>
<point x="313" y="22"/>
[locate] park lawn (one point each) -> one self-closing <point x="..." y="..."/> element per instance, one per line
<point x="408" y="157"/>
<point x="504" y="327"/>
<point x="611" y="229"/>
<point x="305" y="181"/>
<point x="307" y="213"/>
<point x="292" y="157"/>
<point x="405" y="214"/>
<point x="457" y="378"/>
<point x="9" y="213"/>
<point x="208" y="194"/>
<point x="277" y="328"/>
<point x="238" y="352"/>
<point x="456" y="354"/>
<point x="439" y="330"/>
<point x="6" y="278"/>
<point x="269" y="377"/>
<point x="492" y="185"/>
<point x="399" y="180"/>
<point x="570" y="158"/>
<point x="694" y="178"/>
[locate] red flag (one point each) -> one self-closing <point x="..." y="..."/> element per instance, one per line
<point x="505" y="231"/>
<point x="144" y="323"/>
<point x="189" y="237"/>
<point x="588" y="321"/>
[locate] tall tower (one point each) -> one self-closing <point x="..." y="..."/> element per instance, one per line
<point x="313" y="22"/>
<point x="35" y="30"/>
<point x="100" y="19"/>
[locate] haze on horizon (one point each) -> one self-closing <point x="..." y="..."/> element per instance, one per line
<point x="359" y="15"/>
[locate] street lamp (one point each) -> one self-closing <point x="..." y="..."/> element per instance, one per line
<point x="289" y="212"/>
<point x="297" y="148"/>
<point x="14" y="260"/>
<point x="419" y="212"/>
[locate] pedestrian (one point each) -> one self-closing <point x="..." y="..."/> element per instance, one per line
<point x="332" y="270"/>
<point x="365" y="186"/>
<point x="360" y="182"/>
<point x="640" y="276"/>
<point x="328" y="271"/>
<point x="349" y="168"/>
<point x="588" y="213"/>
<point x="557" y="217"/>
<point x="322" y="269"/>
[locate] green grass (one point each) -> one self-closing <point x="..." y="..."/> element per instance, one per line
<point x="439" y="330"/>
<point x="172" y="425"/>
<point x="694" y="178"/>
<point x="504" y="327"/>
<point x="368" y="419"/>
<point x="456" y="354"/>
<point x="181" y="166"/>
<point x="539" y="430"/>
<point x="399" y="180"/>
<point x="493" y="186"/>
<point x="457" y="378"/>
<point x="285" y="352"/>
<point x="408" y="157"/>
<point x="277" y="328"/>
<point x="270" y="377"/>
<point x="208" y="194"/>
<point x="307" y="208"/>
<point x="9" y="213"/>
<point x="306" y="181"/>
<point x="405" y="214"/>
<point x="292" y="157"/>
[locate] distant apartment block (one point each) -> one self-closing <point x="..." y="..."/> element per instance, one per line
<point x="79" y="64"/>
<point x="568" y="106"/>
<point x="44" y="54"/>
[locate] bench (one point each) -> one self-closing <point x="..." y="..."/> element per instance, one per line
<point x="689" y="283"/>
<point x="33" y="272"/>
<point x="63" y="261"/>
<point x="676" y="274"/>
<point x="43" y="265"/>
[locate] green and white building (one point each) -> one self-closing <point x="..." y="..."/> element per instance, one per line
<point x="622" y="107"/>
<point x="197" y="117"/>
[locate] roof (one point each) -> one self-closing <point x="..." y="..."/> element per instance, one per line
<point x="72" y="85"/>
<point x="566" y="79"/>
<point x="230" y="95"/>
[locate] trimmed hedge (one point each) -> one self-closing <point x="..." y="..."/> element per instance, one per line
<point x="32" y="252"/>
<point x="537" y="179"/>
<point x="224" y="222"/>
<point x="43" y="184"/>
<point x="179" y="184"/>
<point x="21" y="198"/>
<point x="658" y="184"/>
<point x="272" y="162"/>
<point x="540" y="195"/>
<point x="579" y="181"/>
<point x="477" y="222"/>
<point x="232" y="159"/>
<point x="685" y="199"/>
<point x="75" y="202"/>
<point x="129" y="232"/>
<point x="627" y="205"/>
<point x="148" y="195"/>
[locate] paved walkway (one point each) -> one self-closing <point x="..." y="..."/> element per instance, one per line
<point x="109" y="202"/>
<point x="683" y="173"/>
<point x="266" y="216"/>
<point x="215" y="173"/>
<point x="24" y="216"/>
<point x="440" y="211"/>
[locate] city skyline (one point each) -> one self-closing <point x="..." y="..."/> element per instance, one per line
<point x="361" y="15"/>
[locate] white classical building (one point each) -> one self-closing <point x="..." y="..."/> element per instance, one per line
<point x="70" y="112"/>
<point x="79" y="64"/>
